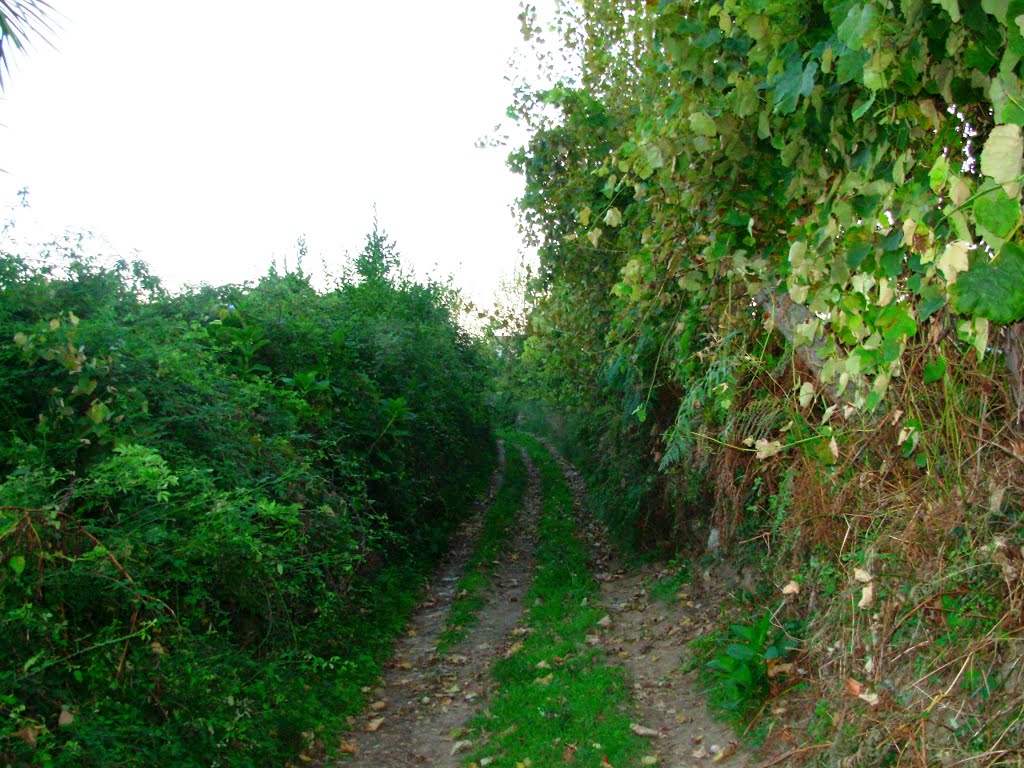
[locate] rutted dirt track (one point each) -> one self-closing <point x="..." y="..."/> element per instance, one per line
<point x="425" y="698"/>
<point x="648" y="638"/>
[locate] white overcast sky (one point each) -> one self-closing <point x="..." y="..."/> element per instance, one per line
<point x="210" y="135"/>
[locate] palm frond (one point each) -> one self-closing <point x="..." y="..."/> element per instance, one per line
<point x="20" y="21"/>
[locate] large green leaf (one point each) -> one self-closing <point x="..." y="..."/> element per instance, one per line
<point x="703" y="124"/>
<point x="792" y="83"/>
<point x="994" y="289"/>
<point x="996" y="212"/>
<point x="858" y="22"/>
<point x="951" y="7"/>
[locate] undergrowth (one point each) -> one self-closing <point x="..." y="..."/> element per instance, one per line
<point x="557" y="701"/>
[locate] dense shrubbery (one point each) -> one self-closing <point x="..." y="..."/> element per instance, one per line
<point x="214" y="505"/>
<point x="779" y="301"/>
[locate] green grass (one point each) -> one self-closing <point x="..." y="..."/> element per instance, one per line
<point x="667" y="588"/>
<point x="499" y="521"/>
<point x="572" y="700"/>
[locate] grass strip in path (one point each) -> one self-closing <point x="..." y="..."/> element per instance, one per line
<point x="498" y="524"/>
<point x="558" y="702"/>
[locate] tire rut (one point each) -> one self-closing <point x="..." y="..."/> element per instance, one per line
<point x="648" y="639"/>
<point x="424" y="698"/>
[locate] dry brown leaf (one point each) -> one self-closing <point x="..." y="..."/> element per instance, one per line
<point x="725" y="752"/>
<point x="605" y="622"/>
<point x="870" y="697"/>
<point x="605" y="763"/>
<point x="546" y="680"/>
<point x="373" y="725"/>
<point x="29" y="734"/>
<point x="513" y="649"/>
<point x="66" y="717"/>
<point x="569" y="754"/>
<point x="643" y="730"/>
<point x="791" y="589"/>
<point x="347" y="748"/>
<point x="377" y="706"/>
<point x="853" y="686"/>
<point x="867" y="597"/>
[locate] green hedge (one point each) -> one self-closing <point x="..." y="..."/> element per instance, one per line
<point x="214" y="506"/>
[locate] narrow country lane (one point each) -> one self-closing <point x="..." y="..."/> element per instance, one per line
<point x="425" y="697"/>
<point x="553" y="672"/>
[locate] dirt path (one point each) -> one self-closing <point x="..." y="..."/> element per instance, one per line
<point x="648" y="638"/>
<point x="424" y="699"/>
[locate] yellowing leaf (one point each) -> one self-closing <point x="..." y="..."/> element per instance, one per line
<point x="797" y="292"/>
<point x="959" y="191"/>
<point x="791" y="589"/>
<point x="806" y="394"/>
<point x="953" y="260"/>
<point x="767" y="448"/>
<point x="1002" y="157"/>
<point x="613" y="217"/>
<point x="885" y="293"/>
<point x="374" y="725"/>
